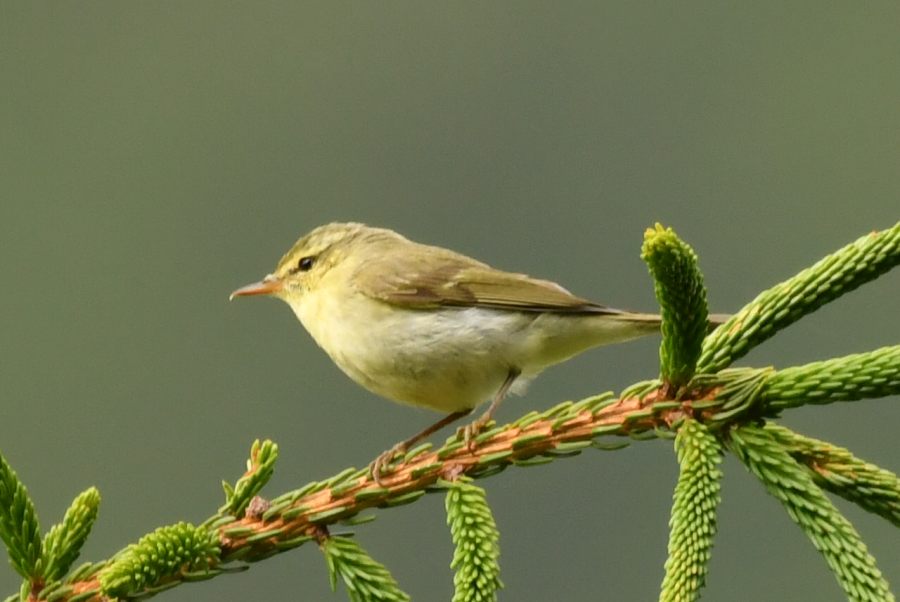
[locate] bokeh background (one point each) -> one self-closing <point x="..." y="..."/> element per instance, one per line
<point x="156" y="155"/>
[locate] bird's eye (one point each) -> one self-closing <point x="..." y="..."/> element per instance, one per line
<point x="305" y="264"/>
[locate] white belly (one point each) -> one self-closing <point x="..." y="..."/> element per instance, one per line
<point x="449" y="359"/>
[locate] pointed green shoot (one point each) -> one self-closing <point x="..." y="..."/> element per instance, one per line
<point x="838" y="471"/>
<point x="831" y="533"/>
<point x="19" y="526"/>
<point x="260" y="467"/>
<point x="693" y="521"/>
<point x="682" y="298"/>
<point x="63" y="543"/>
<point x="365" y="579"/>
<point x="837" y="274"/>
<point x="849" y="378"/>
<point x="477" y="543"/>
<point x="160" y="558"/>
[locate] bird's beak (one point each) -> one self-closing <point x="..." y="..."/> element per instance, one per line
<point x="267" y="286"/>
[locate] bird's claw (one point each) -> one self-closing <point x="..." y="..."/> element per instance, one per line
<point x="383" y="461"/>
<point x="471" y="430"/>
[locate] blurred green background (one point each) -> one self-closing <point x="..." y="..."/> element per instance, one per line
<point x="156" y="155"/>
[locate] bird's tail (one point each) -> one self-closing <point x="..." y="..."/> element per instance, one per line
<point x="652" y="321"/>
<point x="717" y="319"/>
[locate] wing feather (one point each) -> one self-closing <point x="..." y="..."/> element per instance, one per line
<point x="435" y="277"/>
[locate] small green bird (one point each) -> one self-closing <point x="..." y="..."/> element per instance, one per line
<point x="429" y="327"/>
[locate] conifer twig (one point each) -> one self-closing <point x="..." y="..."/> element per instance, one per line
<point x="837" y="470"/>
<point x="679" y="289"/>
<point x="476" y="543"/>
<point x="693" y="521"/>
<point x="365" y="579"/>
<point x="859" y="376"/>
<point x="698" y="401"/>
<point x="861" y="261"/>
<point x="831" y="533"/>
<point x="19" y="527"/>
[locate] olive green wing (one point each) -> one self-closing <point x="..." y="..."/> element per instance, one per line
<point x="429" y="277"/>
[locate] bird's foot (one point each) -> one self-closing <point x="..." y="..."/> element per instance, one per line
<point x="382" y="463"/>
<point x="471" y="430"/>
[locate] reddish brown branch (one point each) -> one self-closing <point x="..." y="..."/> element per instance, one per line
<point x="627" y="417"/>
<point x="425" y="470"/>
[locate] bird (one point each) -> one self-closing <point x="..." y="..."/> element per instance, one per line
<point x="429" y="327"/>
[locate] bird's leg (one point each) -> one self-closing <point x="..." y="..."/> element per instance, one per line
<point x="472" y="429"/>
<point x="381" y="462"/>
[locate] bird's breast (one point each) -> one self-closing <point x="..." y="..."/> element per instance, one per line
<point x="446" y="359"/>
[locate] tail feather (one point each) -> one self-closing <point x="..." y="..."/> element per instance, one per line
<point x="717" y="319"/>
<point x="656" y="319"/>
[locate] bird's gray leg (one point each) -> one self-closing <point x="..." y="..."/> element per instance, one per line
<point x="473" y="428"/>
<point x="381" y="462"/>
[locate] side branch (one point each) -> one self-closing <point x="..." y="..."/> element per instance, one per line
<point x="841" y="272"/>
<point x="536" y="438"/>
<point x="849" y="378"/>
<point x="837" y="470"/>
<point x="682" y="299"/>
<point x="830" y="532"/>
<point x="693" y="520"/>
<point x="269" y="527"/>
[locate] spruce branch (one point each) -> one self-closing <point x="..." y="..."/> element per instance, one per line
<point x="365" y="579"/>
<point x="160" y="560"/>
<point x="19" y="526"/>
<point x="716" y="403"/>
<point x="182" y="553"/>
<point x="260" y="467"/>
<point x="841" y="272"/>
<point x="476" y="541"/>
<point x="809" y="507"/>
<point x="765" y="392"/>
<point x="693" y="521"/>
<point x="682" y="298"/>
<point x="837" y="470"/>
<point x="567" y="429"/>
<point x="62" y="544"/>
<point x="849" y="378"/>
